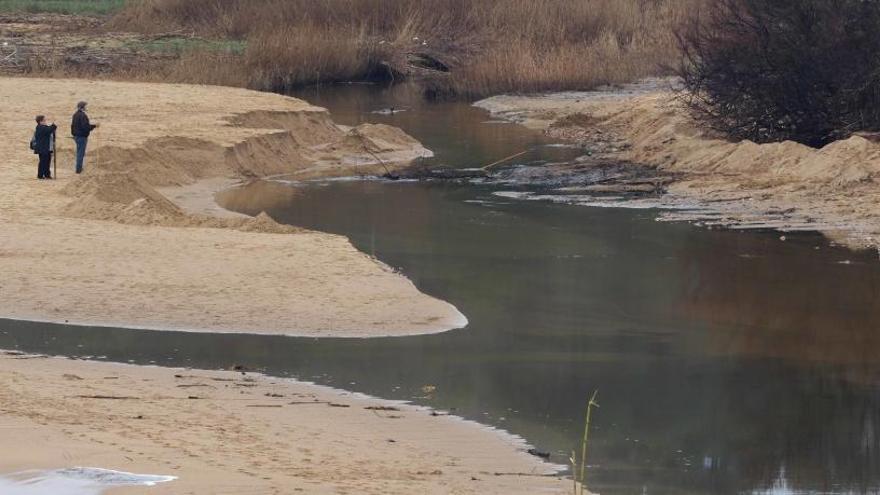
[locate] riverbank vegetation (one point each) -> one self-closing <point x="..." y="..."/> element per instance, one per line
<point x="762" y="70"/>
<point x="465" y="48"/>
<point x="776" y="70"/>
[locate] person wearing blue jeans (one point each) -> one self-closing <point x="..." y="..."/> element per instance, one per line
<point x="81" y="128"/>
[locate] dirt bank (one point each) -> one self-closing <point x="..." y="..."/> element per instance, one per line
<point x="107" y="248"/>
<point x="784" y="186"/>
<point x="235" y="433"/>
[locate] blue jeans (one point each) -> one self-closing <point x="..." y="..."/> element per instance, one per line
<point x="81" y="143"/>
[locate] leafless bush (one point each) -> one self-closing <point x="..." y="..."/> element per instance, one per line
<point x="773" y="70"/>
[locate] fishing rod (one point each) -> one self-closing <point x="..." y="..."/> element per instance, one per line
<point x="511" y="157"/>
<point x="54" y="155"/>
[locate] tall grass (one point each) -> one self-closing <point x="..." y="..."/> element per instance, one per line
<point x="489" y="46"/>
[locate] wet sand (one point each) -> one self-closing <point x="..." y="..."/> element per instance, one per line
<point x="107" y="248"/>
<point x="783" y="186"/>
<point x="240" y="433"/>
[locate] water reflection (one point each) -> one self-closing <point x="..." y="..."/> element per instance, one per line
<point x="823" y="306"/>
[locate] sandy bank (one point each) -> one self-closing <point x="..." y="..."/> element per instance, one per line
<point x="231" y="433"/>
<point x="108" y="248"/>
<point x="784" y="186"/>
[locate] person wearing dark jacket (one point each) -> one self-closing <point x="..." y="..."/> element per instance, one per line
<point x="44" y="143"/>
<point x="81" y="128"/>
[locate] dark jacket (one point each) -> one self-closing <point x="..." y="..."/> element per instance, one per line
<point x="80" y="126"/>
<point x="43" y="136"/>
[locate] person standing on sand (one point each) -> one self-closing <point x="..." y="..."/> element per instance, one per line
<point x="44" y="137"/>
<point x="81" y="128"/>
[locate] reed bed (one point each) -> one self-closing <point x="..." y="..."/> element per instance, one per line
<point x="483" y="46"/>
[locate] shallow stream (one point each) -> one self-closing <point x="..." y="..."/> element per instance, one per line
<point x="726" y="362"/>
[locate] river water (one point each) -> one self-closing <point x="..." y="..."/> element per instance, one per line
<point x="726" y="362"/>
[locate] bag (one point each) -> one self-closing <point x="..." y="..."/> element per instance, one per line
<point x="34" y="142"/>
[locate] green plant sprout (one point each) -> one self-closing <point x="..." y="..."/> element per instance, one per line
<point x="579" y="469"/>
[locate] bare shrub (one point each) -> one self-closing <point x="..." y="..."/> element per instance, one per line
<point x="774" y="70"/>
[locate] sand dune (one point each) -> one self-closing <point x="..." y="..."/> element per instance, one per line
<point x="108" y="248"/>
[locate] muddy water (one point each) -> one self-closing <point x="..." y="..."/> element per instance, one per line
<point x="725" y="362"/>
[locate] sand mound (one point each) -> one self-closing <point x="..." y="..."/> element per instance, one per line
<point x="121" y="184"/>
<point x="835" y="190"/>
<point x="380" y="138"/>
<point x="121" y="197"/>
<point x="662" y="134"/>
<point x="265" y="224"/>
<point x="321" y="128"/>
<point x="129" y="200"/>
<point x="128" y="257"/>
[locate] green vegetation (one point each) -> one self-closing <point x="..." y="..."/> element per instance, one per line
<point x="81" y="7"/>
<point x="181" y="45"/>
<point x="579" y="465"/>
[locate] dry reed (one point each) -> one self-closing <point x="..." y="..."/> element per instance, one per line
<point x="489" y="46"/>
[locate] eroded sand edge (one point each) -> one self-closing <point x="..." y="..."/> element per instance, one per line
<point x="227" y="432"/>
<point x="784" y="186"/>
<point x="107" y="248"/>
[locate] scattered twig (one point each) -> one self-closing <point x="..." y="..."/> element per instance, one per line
<point x="107" y="397"/>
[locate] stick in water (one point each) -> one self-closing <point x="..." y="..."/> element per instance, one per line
<point x="511" y="157"/>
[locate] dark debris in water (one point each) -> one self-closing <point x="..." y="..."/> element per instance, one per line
<point x="586" y="174"/>
<point x="538" y="453"/>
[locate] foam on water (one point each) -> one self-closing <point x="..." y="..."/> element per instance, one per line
<point x="606" y="201"/>
<point x="74" y="481"/>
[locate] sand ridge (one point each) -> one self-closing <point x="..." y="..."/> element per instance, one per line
<point x="107" y="248"/>
<point x="785" y="186"/>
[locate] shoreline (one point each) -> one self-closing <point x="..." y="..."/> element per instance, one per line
<point x="201" y="198"/>
<point x="133" y="242"/>
<point x="785" y="187"/>
<point x="157" y="427"/>
<point x="339" y="333"/>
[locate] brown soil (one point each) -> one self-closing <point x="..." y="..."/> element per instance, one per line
<point x="70" y="44"/>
